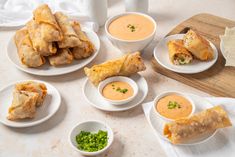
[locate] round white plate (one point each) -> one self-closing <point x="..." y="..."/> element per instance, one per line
<point x="158" y="124"/>
<point x="92" y="96"/>
<point x="50" y="105"/>
<point x="48" y="70"/>
<point x="161" y="55"/>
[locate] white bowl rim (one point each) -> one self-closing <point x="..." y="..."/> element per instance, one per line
<point x="103" y="83"/>
<point x="161" y="95"/>
<point x="107" y="23"/>
<point x="110" y="136"/>
<point x="116" y="78"/>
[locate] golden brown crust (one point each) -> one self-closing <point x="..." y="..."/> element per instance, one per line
<point x="31" y="86"/>
<point x="125" y="66"/>
<point x="86" y="48"/>
<point x="176" y="49"/>
<point x="187" y="128"/>
<point x="198" y="46"/>
<point x="50" y="29"/>
<point x="62" y="57"/>
<point x="27" y="54"/>
<point x="70" y="37"/>
<point x="23" y="105"/>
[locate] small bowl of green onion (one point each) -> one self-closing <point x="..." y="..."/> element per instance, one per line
<point x="91" y="137"/>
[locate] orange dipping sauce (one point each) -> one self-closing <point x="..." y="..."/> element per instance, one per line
<point x="174" y="107"/>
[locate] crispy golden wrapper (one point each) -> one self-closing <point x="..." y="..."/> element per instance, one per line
<point x="198" y="46"/>
<point x="23" y="105"/>
<point x="125" y="66"/>
<point x="70" y="38"/>
<point x="39" y="44"/>
<point x="31" y="86"/>
<point x="50" y="30"/>
<point x="178" y="54"/>
<point x="62" y="57"/>
<point x="28" y="56"/>
<point x="187" y="128"/>
<point x="86" y="48"/>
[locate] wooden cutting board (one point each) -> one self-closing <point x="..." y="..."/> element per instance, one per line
<point x="218" y="80"/>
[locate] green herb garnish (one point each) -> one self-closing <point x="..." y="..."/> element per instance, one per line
<point x="122" y="90"/>
<point x="131" y="27"/>
<point x="173" y="105"/>
<point x="92" y="142"/>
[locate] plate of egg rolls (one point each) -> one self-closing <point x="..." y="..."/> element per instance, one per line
<point x="52" y="44"/>
<point x="195" y="129"/>
<point x="186" y="53"/>
<point x="128" y="65"/>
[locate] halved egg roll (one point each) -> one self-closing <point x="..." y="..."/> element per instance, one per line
<point x="178" y="54"/>
<point x="23" y="105"/>
<point x="63" y="56"/>
<point x="127" y="65"/>
<point x="198" y="46"/>
<point x="50" y="30"/>
<point x="86" y="48"/>
<point x="32" y="86"/>
<point x="201" y="123"/>
<point x="39" y="44"/>
<point x="28" y="56"/>
<point x="70" y="38"/>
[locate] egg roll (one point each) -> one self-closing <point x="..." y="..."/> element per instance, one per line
<point x="23" y="105"/>
<point x="86" y="48"/>
<point x="50" y="30"/>
<point x="198" y="46"/>
<point x="63" y="56"/>
<point x="125" y="66"/>
<point x="70" y="38"/>
<point x="32" y="86"/>
<point x="178" y="54"/>
<point x="39" y="44"/>
<point x="201" y="123"/>
<point x="28" y="56"/>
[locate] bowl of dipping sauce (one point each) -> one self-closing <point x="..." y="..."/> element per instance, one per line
<point x="118" y="90"/>
<point x="130" y="31"/>
<point x="171" y="106"/>
<point x="91" y="137"/>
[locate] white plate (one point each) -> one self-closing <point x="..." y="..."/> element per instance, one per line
<point x="92" y="95"/>
<point x="161" y="55"/>
<point x="46" y="69"/>
<point x="158" y="124"/>
<point x="50" y="105"/>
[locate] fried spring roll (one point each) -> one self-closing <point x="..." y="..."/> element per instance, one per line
<point x="127" y="65"/>
<point x="198" y="46"/>
<point x="39" y="44"/>
<point x="50" y="30"/>
<point x="31" y="86"/>
<point x="23" y="105"/>
<point x="178" y="54"/>
<point x="28" y="56"/>
<point x="63" y="56"/>
<point x="70" y="38"/>
<point x="86" y="48"/>
<point x="187" y="128"/>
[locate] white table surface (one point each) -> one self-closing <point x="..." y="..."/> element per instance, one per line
<point x="133" y="135"/>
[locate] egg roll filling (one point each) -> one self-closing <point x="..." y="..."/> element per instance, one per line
<point x="181" y="58"/>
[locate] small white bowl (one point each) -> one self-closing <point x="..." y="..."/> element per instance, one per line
<point x="91" y="126"/>
<point x="170" y="93"/>
<point x="127" y="46"/>
<point x="118" y="78"/>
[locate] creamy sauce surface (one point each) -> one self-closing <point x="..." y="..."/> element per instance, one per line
<point x="131" y="27"/>
<point x="174" y="107"/>
<point x="117" y="90"/>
